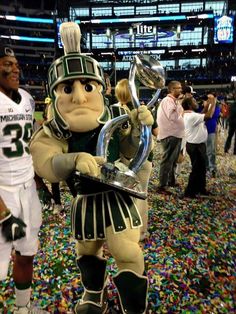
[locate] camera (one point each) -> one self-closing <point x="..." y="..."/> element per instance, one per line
<point x="204" y="97"/>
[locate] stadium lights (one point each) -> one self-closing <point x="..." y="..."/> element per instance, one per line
<point x="45" y="40"/>
<point x="112" y="20"/>
<point x="134" y="52"/>
<point x="160" y="51"/>
<point x="87" y="54"/>
<point x="27" y="19"/>
<point x="176" y="50"/>
<point x="201" y="16"/>
<point x="205" y="16"/>
<point x="107" y="53"/>
<point x="134" y="19"/>
<point x="198" y="50"/>
<point x="146" y="19"/>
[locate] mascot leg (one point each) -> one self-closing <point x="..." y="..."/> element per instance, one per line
<point x="132" y="290"/>
<point x="131" y="284"/>
<point x="93" y="278"/>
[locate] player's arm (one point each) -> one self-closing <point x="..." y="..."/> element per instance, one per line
<point x="12" y="227"/>
<point x="4" y="211"/>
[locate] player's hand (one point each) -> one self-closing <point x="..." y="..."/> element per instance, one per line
<point x="142" y="115"/>
<point x="13" y="228"/>
<point x="89" y="164"/>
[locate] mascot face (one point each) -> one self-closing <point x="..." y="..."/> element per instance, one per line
<point x="80" y="103"/>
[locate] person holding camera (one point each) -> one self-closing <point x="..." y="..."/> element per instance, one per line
<point x="196" y="137"/>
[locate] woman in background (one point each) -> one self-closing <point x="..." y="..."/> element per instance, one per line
<point x="122" y="94"/>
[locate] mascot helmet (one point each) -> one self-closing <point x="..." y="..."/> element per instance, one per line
<point x="73" y="65"/>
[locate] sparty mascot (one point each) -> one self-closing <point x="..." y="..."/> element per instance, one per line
<point x="66" y="144"/>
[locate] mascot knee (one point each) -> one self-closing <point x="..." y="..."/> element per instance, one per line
<point x="3" y="270"/>
<point x="128" y="254"/>
<point x="89" y="248"/>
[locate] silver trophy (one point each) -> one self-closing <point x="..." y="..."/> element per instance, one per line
<point x="151" y="74"/>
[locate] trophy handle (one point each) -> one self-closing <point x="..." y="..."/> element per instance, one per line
<point x="106" y="133"/>
<point x="145" y="131"/>
<point x="154" y="99"/>
<point x="143" y="149"/>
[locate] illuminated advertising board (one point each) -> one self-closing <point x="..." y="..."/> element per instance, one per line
<point x="223" y="29"/>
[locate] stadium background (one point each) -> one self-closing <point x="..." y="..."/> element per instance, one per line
<point x="180" y="34"/>
<point x="190" y="254"/>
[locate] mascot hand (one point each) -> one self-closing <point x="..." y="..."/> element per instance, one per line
<point x="13" y="228"/>
<point x="89" y="164"/>
<point x="142" y="115"/>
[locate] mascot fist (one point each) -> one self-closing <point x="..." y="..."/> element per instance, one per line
<point x="142" y="115"/>
<point x="89" y="164"/>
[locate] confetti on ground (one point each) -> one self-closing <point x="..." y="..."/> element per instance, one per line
<point x="189" y="256"/>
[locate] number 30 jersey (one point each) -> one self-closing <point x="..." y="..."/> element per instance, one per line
<point x="16" y="120"/>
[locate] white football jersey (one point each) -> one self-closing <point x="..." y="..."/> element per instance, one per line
<point x="16" y="120"/>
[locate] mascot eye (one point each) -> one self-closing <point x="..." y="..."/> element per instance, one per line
<point x="89" y="87"/>
<point x="67" y="89"/>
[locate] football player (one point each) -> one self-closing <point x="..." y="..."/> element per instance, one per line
<point x="20" y="209"/>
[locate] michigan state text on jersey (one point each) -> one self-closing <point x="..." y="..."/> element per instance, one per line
<point x="16" y="121"/>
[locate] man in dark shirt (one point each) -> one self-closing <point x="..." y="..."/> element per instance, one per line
<point x="232" y="126"/>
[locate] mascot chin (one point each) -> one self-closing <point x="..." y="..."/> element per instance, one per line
<point x="67" y="143"/>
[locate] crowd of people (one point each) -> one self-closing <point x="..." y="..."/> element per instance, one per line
<point x="66" y="142"/>
<point x="191" y="124"/>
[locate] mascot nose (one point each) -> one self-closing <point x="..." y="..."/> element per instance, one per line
<point x="79" y="94"/>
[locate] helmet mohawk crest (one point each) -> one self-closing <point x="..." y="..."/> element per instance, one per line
<point x="70" y="36"/>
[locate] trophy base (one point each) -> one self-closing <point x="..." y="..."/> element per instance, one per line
<point x="104" y="184"/>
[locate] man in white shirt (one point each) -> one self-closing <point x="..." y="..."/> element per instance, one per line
<point x="196" y="136"/>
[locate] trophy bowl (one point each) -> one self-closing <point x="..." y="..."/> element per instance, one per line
<point x="149" y="71"/>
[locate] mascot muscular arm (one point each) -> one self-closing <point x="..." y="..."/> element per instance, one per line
<point x="68" y="142"/>
<point x="54" y="163"/>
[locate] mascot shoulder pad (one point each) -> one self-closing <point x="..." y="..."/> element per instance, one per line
<point x="117" y="110"/>
<point x="53" y="128"/>
<point x="105" y="116"/>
